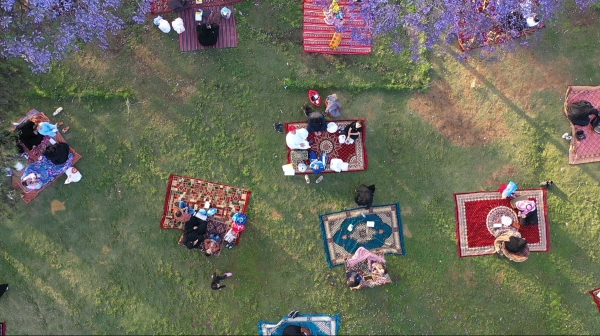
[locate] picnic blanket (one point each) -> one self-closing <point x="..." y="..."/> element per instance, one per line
<point x="318" y="324"/>
<point x="384" y="237"/>
<point x="468" y="40"/>
<point x="596" y="294"/>
<point x="587" y="150"/>
<point x="474" y="237"/>
<point x="188" y="40"/>
<point x="355" y="154"/>
<point x="34" y="154"/>
<point x="317" y="34"/>
<point x="162" y="6"/>
<point x="226" y="199"/>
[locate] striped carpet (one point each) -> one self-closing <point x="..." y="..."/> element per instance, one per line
<point x="317" y="34"/>
<point x="227" y="32"/>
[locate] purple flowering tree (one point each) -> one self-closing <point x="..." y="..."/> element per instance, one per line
<point x="420" y="25"/>
<point x="43" y="31"/>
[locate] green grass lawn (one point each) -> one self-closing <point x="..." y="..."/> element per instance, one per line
<point x="90" y="257"/>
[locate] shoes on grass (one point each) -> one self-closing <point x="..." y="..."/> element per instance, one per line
<point x="319" y="179"/>
<point x="66" y="129"/>
<point x="307" y="179"/>
<point x="278" y="127"/>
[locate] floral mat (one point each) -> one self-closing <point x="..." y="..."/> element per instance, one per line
<point x="355" y="154"/>
<point x="596" y="294"/>
<point x="384" y="237"/>
<point x="318" y="324"/>
<point x="226" y="199"/>
<point x="588" y="149"/>
<point x="474" y="237"/>
<point x="316" y="34"/>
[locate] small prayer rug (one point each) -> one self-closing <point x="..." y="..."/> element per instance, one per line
<point x="318" y="324"/>
<point x="226" y="199"/>
<point x="588" y="149"/>
<point x="3" y="329"/>
<point x="474" y="237"/>
<point x="34" y="154"/>
<point x="596" y="294"/>
<point x="188" y="40"/>
<point x="355" y="154"/>
<point x="317" y="34"/>
<point x="345" y="231"/>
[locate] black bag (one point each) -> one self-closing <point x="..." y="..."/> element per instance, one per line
<point x="364" y="195"/>
<point x="579" y="112"/>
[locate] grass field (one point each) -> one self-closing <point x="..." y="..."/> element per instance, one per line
<point x="90" y="257"/>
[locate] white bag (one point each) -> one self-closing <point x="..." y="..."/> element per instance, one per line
<point x="178" y="25"/>
<point x="164" y="26"/>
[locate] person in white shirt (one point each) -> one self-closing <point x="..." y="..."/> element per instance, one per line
<point x="296" y="138"/>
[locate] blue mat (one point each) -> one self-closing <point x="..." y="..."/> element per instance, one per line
<point x="318" y="324"/>
<point x="385" y="236"/>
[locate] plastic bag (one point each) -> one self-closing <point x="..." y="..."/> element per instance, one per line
<point x="178" y="25"/>
<point x="164" y="26"/>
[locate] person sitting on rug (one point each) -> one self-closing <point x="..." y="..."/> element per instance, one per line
<point x="208" y="32"/>
<point x="3" y="289"/>
<point x="353" y="279"/>
<point x="316" y="121"/>
<point x="43" y="171"/>
<point x="296" y="138"/>
<point x="194" y="232"/>
<point x="364" y="196"/>
<point x="579" y="112"/>
<point x="352" y="131"/>
<point x="179" y="5"/>
<point x="295" y="330"/>
<point x="508" y="190"/>
<point x="28" y="135"/>
<point x="378" y="268"/>
<point x="526" y="210"/>
<point x="212" y="245"/>
<point x="510" y="244"/>
<point x="58" y="153"/>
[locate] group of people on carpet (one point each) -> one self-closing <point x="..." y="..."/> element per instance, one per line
<point x="366" y="270"/>
<point x="35" y="137"/>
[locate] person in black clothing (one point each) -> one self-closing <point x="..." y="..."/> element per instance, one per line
<point x="353" y="130"/>
<point x="216" y="279"/>
<point x="364" y="195"/>
<point x="195" y="229"/>
<point x="28" y="135"/>
<point x="295" y="330"/>
<point x="316" y="120"/>
<point x="208" y="32"/>
<point x="3" y="288"/>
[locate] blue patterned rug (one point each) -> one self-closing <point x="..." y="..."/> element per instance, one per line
<point x="318" y="324"/>
<point x="385" y="236"/>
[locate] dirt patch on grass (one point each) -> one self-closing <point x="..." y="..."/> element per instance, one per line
<point x="57" y="206"/>
<point x="105" y="249"/>
<point x="501" y="175"/>
<point x="468" y="102"/>
<point x="466" y="275"/>
<point x="406" y="231"/>
<point x="275" y="215"/>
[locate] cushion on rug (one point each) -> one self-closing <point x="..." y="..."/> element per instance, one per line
<point x="385" y="236"/>
<point x="475" y="235"/>
<point x="588" y="149"/>
<point x="355" y="154"/>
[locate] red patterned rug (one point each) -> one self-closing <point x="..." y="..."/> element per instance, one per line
<point x="162" y="6"/>
<point x="317" y="34"/>
<point x="2" y="329"/>
<point x="355" y="154"/>
<point x="474" y="237"/>
<point x="587" y="150"/>
<point x="188" y="40"/>
<point x="227" y="199"/>
<point x="596" y="294"/>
